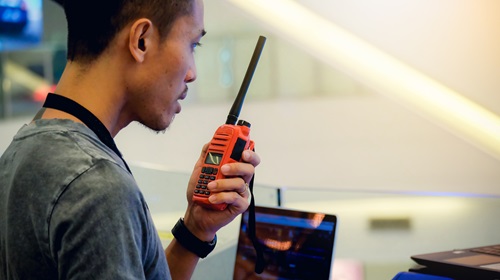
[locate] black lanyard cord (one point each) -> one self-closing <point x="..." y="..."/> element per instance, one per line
<point x="58" y="102"/>
<point x="260" y="263"/>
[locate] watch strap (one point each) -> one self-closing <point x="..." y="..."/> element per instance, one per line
<point x="191" y="242"/>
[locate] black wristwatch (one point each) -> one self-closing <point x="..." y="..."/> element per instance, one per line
<point x="191" y="242"/>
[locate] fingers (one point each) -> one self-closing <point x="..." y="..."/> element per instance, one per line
<point x="204" y="150"/>
<point x="243" y="193"/>
<point x="234" y="189"/>
<point x="228" y="190"/>
<point x="251" y="157"/>
<point x="245" y="169"/>
<point x="237" y="199"/>
<point x="235" y="184"/>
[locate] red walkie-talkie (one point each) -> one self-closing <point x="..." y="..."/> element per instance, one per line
<point x="229" y="141"/>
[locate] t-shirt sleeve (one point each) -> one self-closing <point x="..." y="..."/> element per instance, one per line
<point x="100" y="228"/>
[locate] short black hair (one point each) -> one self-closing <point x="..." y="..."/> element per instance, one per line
<point x="93" y="24"/>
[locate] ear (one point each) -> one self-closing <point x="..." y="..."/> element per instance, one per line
<point x="140" y="38"/>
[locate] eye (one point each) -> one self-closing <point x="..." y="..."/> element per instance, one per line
<point x="195" y="45"/>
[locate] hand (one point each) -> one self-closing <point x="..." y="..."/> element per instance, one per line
<point x="233" y="191"/>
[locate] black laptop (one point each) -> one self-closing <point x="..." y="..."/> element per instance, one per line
<point x="472" y="263"/>
<point x="296" y="245"/>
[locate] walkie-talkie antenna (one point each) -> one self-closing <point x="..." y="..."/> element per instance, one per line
<point x="234" y="113"/>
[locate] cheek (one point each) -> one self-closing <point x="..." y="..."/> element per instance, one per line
<point x="178" y="66"/>
<point x="172" y="84"/>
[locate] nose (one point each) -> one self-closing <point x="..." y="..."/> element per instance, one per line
<point x="191" y="74"/>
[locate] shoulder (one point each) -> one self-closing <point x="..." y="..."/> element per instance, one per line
<point x="57" y="139"/>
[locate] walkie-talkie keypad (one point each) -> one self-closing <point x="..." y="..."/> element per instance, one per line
<point x="208" y="174"/>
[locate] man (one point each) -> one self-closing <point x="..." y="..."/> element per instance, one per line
<point x="69" y="207"/>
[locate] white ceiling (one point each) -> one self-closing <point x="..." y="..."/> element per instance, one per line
<point x="454" y="42"/>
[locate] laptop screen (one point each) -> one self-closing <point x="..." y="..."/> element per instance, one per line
<point x="297" y="244"/>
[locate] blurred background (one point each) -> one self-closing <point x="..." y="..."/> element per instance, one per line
<point x="384" y="112"/>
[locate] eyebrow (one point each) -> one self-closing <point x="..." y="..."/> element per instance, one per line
<point x="203" y="32"/>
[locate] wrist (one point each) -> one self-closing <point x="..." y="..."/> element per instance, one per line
<point x="192" y="243"/>
<point x="196" y="227"/>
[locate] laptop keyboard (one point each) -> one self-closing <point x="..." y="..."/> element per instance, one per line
<point x="490" y="250"/>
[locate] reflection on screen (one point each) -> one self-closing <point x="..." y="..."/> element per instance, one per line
<point x="294" y="247"/>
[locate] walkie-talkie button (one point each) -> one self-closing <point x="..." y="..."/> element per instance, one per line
<point x="199" y="186"/>
<point x="202" y="176"/>
<point x="212" y="178"/>
<point x="205" y="182"/>
<point x="203" y="169"/>
<point x="196" y="191"/>
<point x="215" y="171"/>
<point x="204" y="187"/>
<point x="207" y="193"/>
<point x="200" y="181"/>
<point x="208" y="170"/>
<point x="244" y="123"/>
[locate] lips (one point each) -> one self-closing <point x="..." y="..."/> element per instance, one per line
<point x="183" y="94"/>
<point x="181" y="97"/>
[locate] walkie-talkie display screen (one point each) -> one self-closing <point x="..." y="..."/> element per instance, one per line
<point x="213" y="158"/>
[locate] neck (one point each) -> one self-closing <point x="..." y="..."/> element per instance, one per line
<point x="96" y="90"/>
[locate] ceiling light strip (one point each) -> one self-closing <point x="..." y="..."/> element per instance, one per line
<point x="385" y="74"/>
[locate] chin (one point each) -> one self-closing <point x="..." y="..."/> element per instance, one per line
<point x="159" y="126"/>
<point x="166" y="124"/>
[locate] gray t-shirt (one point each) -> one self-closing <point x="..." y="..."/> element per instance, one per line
<point x="69" y="209"/>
